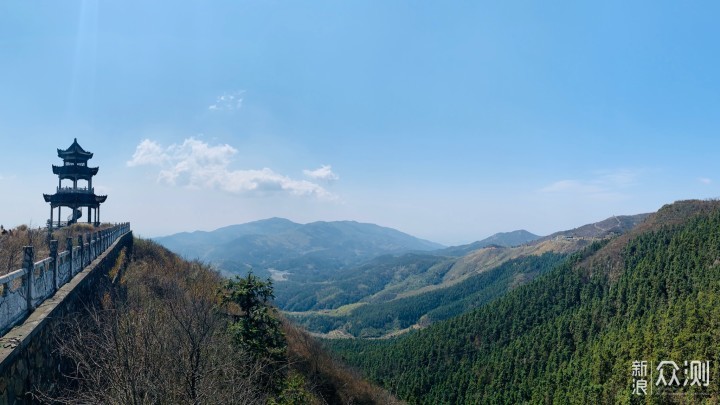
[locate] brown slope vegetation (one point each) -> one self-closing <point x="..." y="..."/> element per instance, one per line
<point x="334" y="382"/>
<point x="488" y="258"/>
<point x="609" y="259"/>
<point x="161" y="335"/>
<point x="570" y="241"/>
<point x="615" y="225"/>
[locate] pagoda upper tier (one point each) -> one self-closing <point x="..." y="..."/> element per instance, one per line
<point x="74" y="154"/>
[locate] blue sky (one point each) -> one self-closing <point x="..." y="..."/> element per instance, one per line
<point x="447" y="120"/>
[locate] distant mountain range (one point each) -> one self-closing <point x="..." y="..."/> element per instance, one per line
<point x="503" y="239"/>
<point x="281" y="244"/>
<point x="396" y="293"/>
<point x="366" y="280"/>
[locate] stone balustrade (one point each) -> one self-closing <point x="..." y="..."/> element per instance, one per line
<point x="25" y="289"/>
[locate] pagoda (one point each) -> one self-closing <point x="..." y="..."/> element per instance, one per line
<point x="74" y="168"/>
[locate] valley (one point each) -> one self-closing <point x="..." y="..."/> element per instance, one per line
<point x="448" y="325"/>
<point x="359" y="280"/>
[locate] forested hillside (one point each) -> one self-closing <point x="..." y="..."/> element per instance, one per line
<point x="572" y="335"/>
<point x="172" y="331"/>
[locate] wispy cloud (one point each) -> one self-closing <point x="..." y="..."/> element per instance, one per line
<point x="197" y="164"/>
<point x="228" y="102"/>
<point x="705" y="180"/>
<point x="323" y="173"/>
<point x="603" y="185"/>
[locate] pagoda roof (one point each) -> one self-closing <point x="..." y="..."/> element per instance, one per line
<point x="74" y="153"/>
<point x="74" y="199"/>
<point x="74" y="171"/>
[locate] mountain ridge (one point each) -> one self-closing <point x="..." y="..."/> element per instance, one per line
<point x="387" y="294"/>
<point x="281" y="244"/>
<point x="504" y="239"/>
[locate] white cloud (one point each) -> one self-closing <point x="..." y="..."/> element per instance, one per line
<point x="605" y="185"/>
<point x="228" y="102"/>
<point x="196" y="164"/>
<point x="705" y="180"/>
<point x="148" y="153"/>
<point x="323" y="173"/>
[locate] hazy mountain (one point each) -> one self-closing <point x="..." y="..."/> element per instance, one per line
<point x="284" y="245"/>
<point x="505" y="239"/>
<point x="202" y="244"/>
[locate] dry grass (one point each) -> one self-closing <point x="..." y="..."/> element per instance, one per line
<point x="12" y="242"/>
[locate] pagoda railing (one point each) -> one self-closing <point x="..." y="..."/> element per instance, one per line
<point x="58" y="224"/>
<point x="25" y="289"/>
<point x="83" y="190"/>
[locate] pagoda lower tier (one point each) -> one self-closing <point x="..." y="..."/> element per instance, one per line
<point x="74" y="200"/>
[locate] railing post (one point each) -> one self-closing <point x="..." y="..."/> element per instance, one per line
<point x="88" y="255"/>
<point x="69" y="247"/>
<point x="54" y="258"/>
<point x="82" y="254"/>
<point x="28" y="265"/>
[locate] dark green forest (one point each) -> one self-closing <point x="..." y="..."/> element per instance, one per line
<point x="376" y="319"/>
<point x="572" y="335"/>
